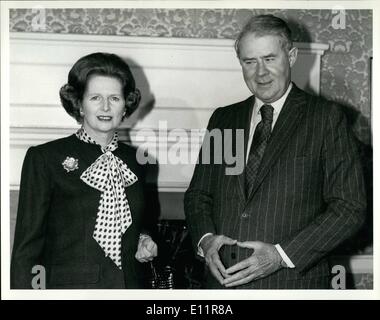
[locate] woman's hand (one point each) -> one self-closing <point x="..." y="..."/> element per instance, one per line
<point x="146" y="249"/>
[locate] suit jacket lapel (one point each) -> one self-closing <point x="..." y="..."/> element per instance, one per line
<point x="243" y="120"/>
<point x="287" y="122"/>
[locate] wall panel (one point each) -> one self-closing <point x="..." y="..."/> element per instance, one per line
<point x="182" y="81"/>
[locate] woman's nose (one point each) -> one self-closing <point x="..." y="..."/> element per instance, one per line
<point x="106" y="104"/>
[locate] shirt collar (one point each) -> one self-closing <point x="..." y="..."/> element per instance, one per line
<point x="82" y="135"/>
<point x="277" y="105"/>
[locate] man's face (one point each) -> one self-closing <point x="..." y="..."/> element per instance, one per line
<point x="266" y="65"/>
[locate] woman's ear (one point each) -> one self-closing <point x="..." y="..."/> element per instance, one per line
<point x="80" y="107"/>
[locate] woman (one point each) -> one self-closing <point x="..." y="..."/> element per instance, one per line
<point x="81" y="202"/>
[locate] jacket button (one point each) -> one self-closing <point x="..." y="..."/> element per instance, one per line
<point x="245" y="215"/>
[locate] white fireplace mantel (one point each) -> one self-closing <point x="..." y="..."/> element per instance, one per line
<point x="186" y="78"/>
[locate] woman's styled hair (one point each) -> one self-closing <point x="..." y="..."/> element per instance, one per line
<point x="266" y="24"/>
<point x="103" y="64"/>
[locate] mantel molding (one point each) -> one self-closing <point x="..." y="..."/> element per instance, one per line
<point x="128" y="41"/>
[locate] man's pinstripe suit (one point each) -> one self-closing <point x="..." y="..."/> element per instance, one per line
<point x="308" y="195"/>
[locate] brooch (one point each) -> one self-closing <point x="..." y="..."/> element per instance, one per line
<point x="70" y="164"/>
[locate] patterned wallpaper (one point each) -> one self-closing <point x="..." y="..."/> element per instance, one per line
<point x="345" y="67"/>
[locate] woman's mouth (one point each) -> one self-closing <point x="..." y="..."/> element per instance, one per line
<point x="104" y="118"/>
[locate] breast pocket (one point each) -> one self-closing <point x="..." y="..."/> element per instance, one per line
<point x="304" y="162"/>
<point x="300" y="175"/>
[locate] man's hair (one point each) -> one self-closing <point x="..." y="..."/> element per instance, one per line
<point x="266" y="24"/>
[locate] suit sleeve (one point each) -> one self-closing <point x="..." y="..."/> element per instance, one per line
<point x="198" y="201"/>
<point x="343" y="194"/>
<point x="34" y="199"/>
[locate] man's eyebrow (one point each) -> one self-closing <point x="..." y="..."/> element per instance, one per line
<point x="270" y="55"/>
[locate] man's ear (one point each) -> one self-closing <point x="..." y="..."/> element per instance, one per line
<point x="292" y="56"/>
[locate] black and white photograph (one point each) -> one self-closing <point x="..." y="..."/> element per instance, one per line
<point x="210" y="146"/>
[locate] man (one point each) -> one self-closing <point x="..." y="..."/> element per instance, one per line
<point x="301" y="193"/>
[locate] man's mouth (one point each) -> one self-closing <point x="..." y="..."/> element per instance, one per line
<point x="104" y="118"/>
<point x="264" y="83"/>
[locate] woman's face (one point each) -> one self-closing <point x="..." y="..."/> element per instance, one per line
<point x="103" y="105"/>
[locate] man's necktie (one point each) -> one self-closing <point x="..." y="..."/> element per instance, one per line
<point x="259" y="143"/>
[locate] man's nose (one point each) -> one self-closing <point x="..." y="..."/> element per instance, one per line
<point x="261" y="69"/>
